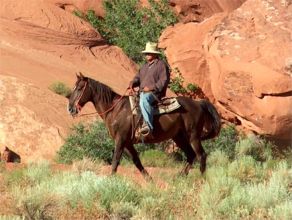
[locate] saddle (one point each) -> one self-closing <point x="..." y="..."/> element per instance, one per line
<point x="165" y="105"/>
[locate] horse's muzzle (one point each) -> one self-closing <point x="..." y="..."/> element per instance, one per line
<point x="72" y="110"/>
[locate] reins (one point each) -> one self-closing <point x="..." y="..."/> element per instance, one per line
<point x="106" y="111"/>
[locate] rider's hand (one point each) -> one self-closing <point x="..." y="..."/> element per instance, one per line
<point x="131" y="91"/>
<point x="146" y="89"/>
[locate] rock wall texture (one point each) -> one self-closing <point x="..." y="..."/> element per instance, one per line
<point x="33" y="121"/>
<point x="242" y="61"/>
<point x="199" y="10"/>
<point x="41" y="43"/>
<point x="249" y="55"/>
<point x="41" y="35"/>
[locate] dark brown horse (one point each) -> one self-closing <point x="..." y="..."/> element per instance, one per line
<point x="184" y="125"/>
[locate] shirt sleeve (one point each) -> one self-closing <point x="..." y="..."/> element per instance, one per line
<point x="163" y="78"/>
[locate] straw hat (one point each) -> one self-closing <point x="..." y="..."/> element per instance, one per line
<point x="151" y="48"/>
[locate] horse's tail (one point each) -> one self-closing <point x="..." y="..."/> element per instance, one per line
<point x="213" y="119"/>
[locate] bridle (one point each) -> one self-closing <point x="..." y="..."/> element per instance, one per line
<point x="76" y="103"/>
<point x="78" y="106"/>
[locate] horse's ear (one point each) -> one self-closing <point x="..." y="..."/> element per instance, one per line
<point x="78" y="77"/>
<point x="81" y="75"/>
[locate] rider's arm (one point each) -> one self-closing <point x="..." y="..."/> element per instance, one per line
<point x="136" y="81"/>
<point x="164" y="76"/>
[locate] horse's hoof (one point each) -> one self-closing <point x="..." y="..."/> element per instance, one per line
<point x="146" y="176"/>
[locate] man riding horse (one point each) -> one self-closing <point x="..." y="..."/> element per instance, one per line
<point x="152" y="79"/>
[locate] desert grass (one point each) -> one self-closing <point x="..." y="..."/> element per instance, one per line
<point x="253" y="185"/>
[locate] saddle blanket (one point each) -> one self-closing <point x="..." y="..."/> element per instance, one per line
<point x="166" y="105"/>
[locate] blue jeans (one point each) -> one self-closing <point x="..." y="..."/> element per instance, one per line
<point x="146" y="100"/>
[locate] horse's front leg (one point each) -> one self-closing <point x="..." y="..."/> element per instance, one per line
<point x="119" y="148"/>
<point x="131" y="151"/>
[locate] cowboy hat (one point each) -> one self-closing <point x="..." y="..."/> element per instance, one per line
<point x="151" y="48"/>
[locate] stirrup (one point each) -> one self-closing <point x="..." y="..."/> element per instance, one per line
<point x="145" y="130"/>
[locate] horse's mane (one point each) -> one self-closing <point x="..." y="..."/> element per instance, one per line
<point x="101" y="91"/>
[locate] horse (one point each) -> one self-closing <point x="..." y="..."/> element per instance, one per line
<point x="187" y="126"/>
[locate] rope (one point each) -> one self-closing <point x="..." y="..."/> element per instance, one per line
<point x="109" y="109"/>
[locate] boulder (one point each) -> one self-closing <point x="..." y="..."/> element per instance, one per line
<point x="199" y="10"/>
<point x="242" y="62"/>
<point x="248" y="56"/>
<point x="183" y="45"/>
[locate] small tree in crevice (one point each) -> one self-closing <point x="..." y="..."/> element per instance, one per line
<point x="177" y="86"/>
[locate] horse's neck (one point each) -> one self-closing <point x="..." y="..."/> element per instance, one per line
<point x="101" y="106"/>
<point x="105" y="108"/>
<point x="104" y="98"/>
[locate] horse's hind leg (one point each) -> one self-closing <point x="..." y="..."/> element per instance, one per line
<point x="182" y="143"/>
<point x="136" y="160"/>
<point x="200" y="152"/>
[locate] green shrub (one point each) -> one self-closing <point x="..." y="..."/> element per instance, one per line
<point x="176" y="83"/>
<point x="216" y="198"/>
<point x="34" y="203"/>
<point x="39" y="200"/>
<point x="177" y="200"/>
<point x="246" y="169"/>
<point x="218" y="158"/>
<point x="60" y="88"/>
<point x="268" y="194"/>
<point x="123" y="210"/>
<point x="37" y="172"/>
<point x="2" y="166"/>
<point x="157" y="158"/>
<point x="192" y="87"/>
<point x="116" y="190"/>
<point x="223" y="193"/>
<point x="87" y="164"/>
<point x="11" y="217"/>
<point x="254" y="146"/>
<point x="91" y="141"/>
<point x="78" y="13"/>
<point x="281" y="211"/>
<point x="129" y="26"/>
<point x="145" y="147"/>
<point x="228" y="195"/>
<point x="16" y="176"/>
<point x="225" y="142"/>
<point x="30" y="201"/>
<point x="287" y="157"/>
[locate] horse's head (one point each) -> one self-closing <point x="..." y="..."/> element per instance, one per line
<point x="80" y="95"/>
